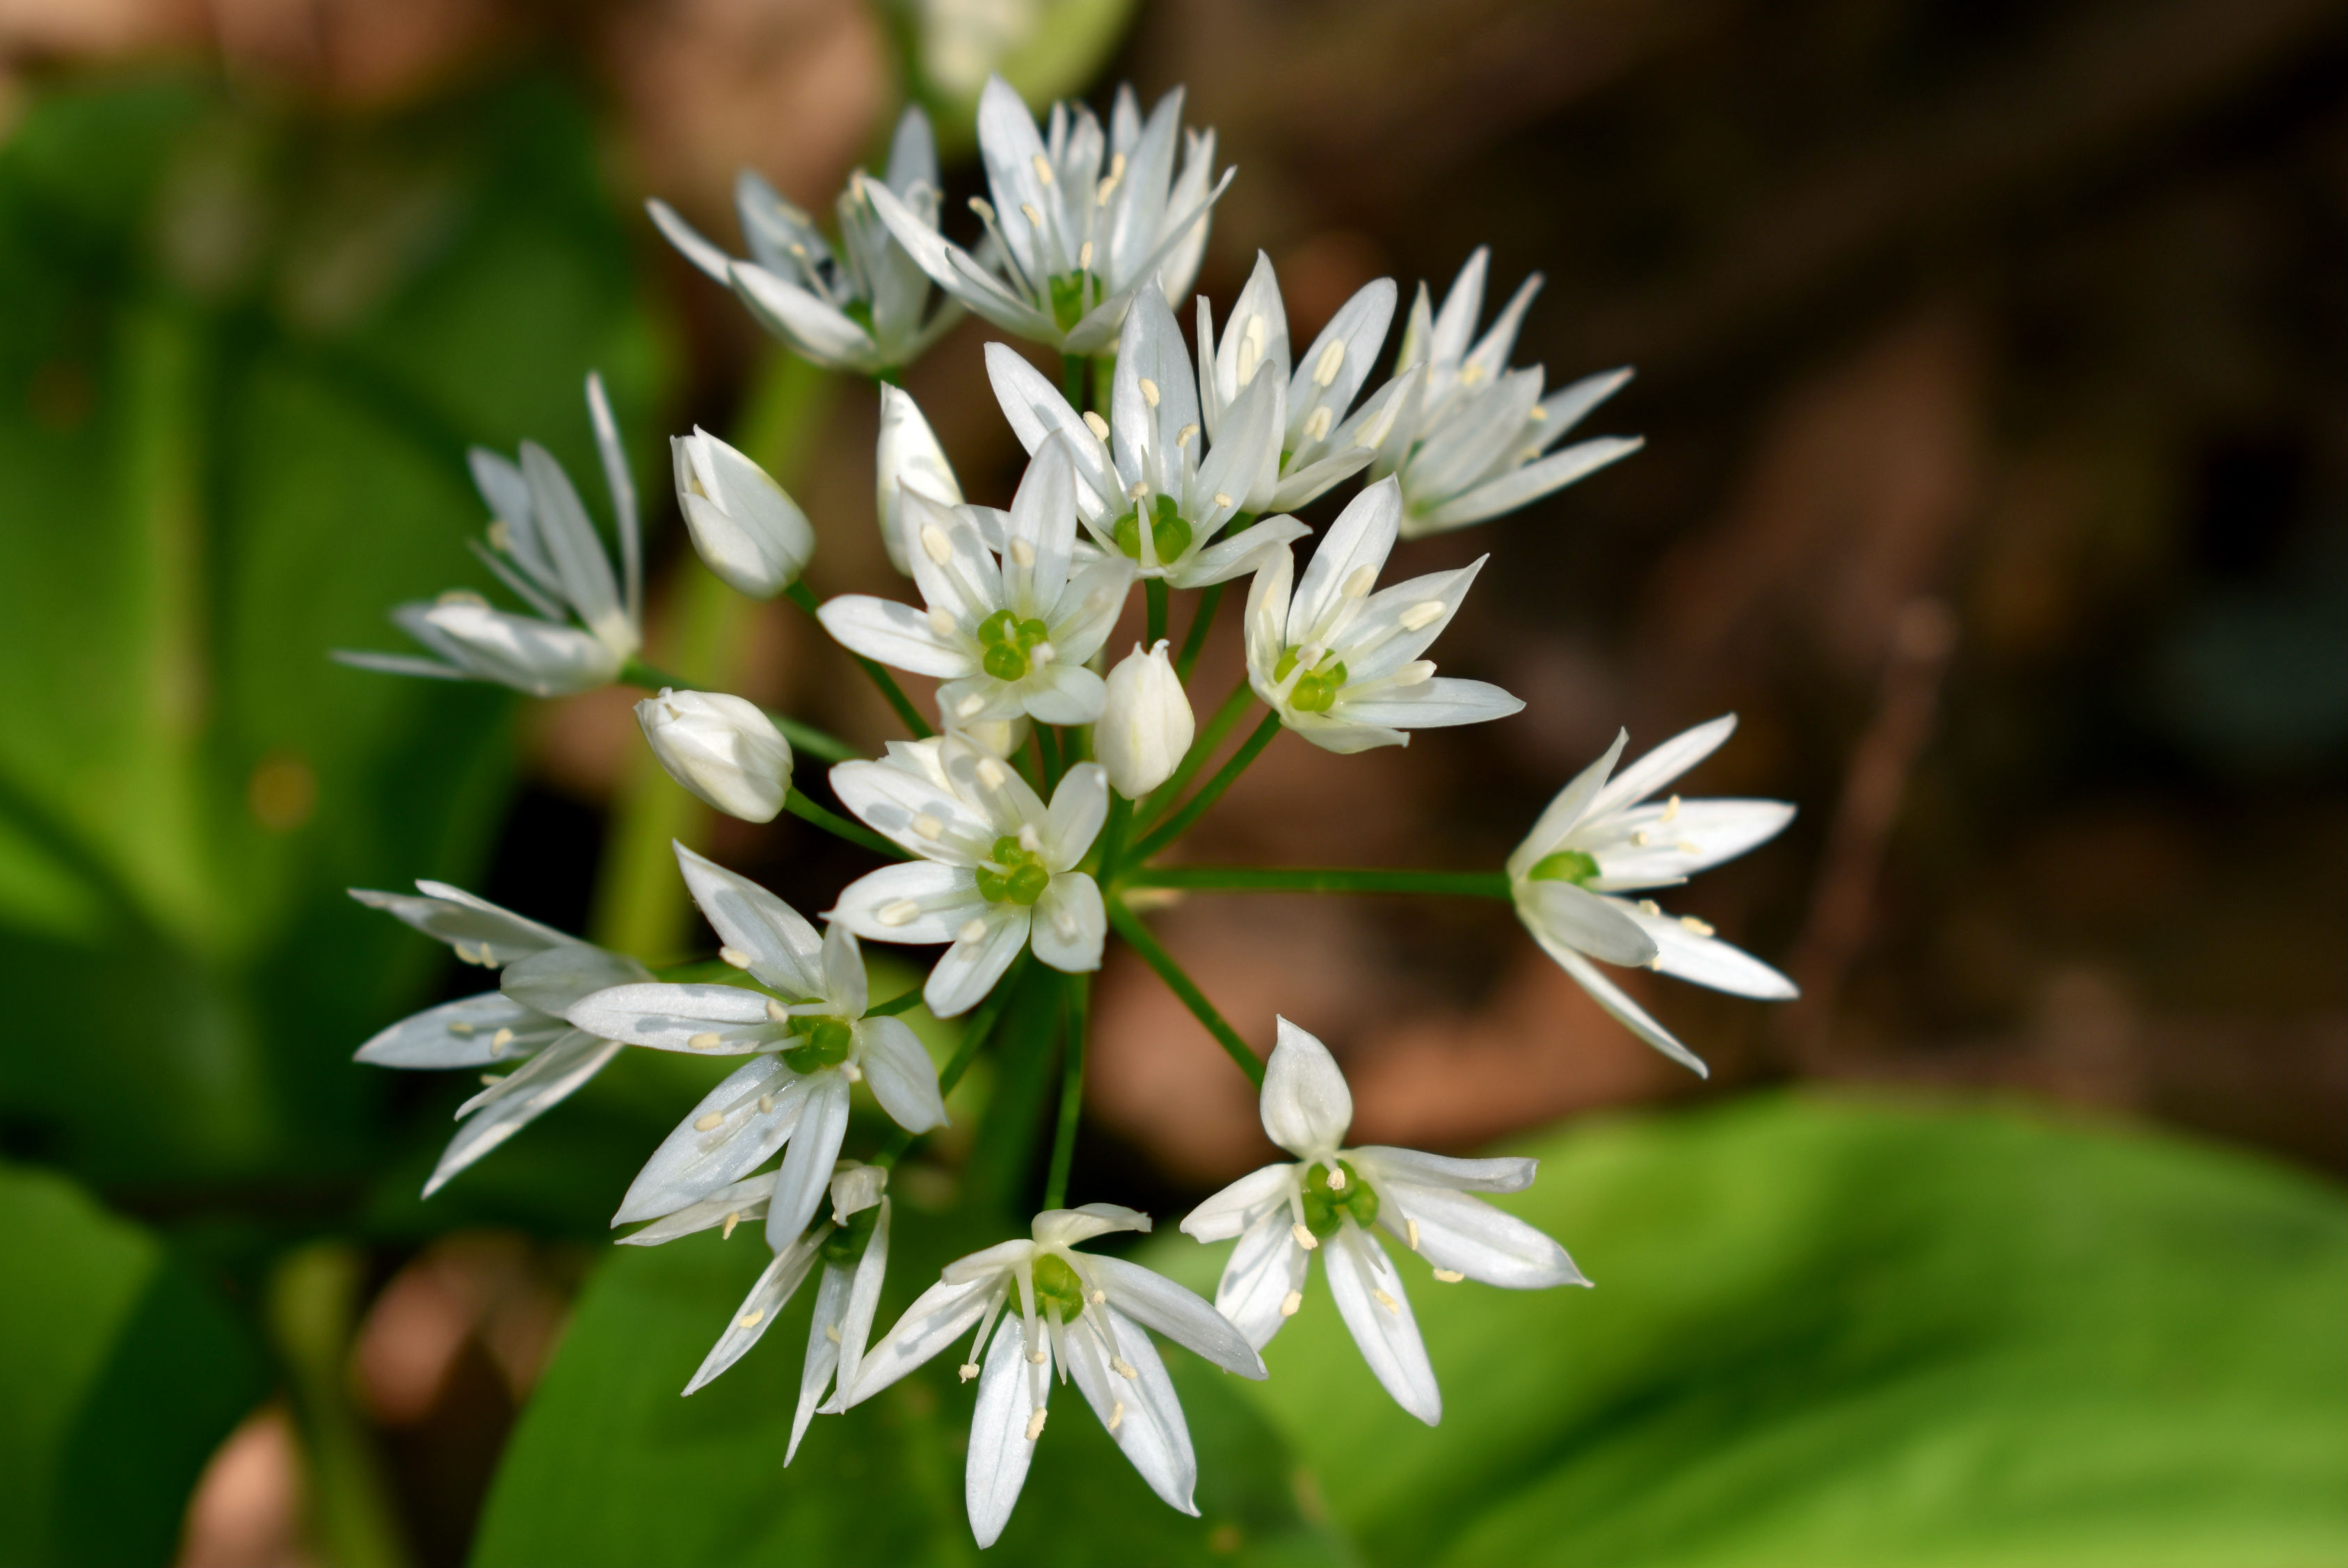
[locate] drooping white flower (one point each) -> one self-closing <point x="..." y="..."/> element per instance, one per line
<point x="1146" y="725"/>
<point x="907" y="456"/>
<point x="543" y="546"/>
<point x="544" y="971"/>
<point x="1471" y="437"/>
<point x="743" y="527"/>
<point x="806" y="1053"/>
<point x="1332" y="1199"/>
<point x="1339" y="662"/>
<point x="723" y="748"/>
<point x="1075" y="240"/>
<point x="997" y="868"/>
<point x="850" y="1246"/>
<point x="1007" y="636"/>
<point x="1089" y="1314"/>
<point x="1320" y="443"/>
<point x="1147" y="485"/>
<point x="1596" y="840"/>
<point x="864" y="308"/>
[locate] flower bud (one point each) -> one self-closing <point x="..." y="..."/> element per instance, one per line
<point x="720" y="747"/>
<point x="748" y="531"/>
<point x="908" y="457"/>
<point x="1146" y="724"/>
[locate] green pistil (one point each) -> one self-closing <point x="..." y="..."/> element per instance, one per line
<point x="1068" y="299"/>
<point x="823" y="1043"/>
<point x="1325" y="1209"/>
<point x="1565" y="866"/>
<point x="1056" y="1284"/>
<point x="1169" y="534"/>
<point x="1008" y="645"/>
<point x="1316" y="690"/>
<point x="859" y="310"/>
<point x="1022" y="878"/>
<point x="847" y="1244"/>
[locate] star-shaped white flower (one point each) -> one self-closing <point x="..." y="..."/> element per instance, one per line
<point x="1470" y="438"/>
<point x="807" y="1051"/>
<point x="1329" y="1203"/>
<point x="864" y="308"/>
<point x="1339" y="662"/>
<point x="1075" y="240"/>
<point x="998" y="869"/>
<point x="1596" y="840"/>
<point x="1006" y="636"/>
<point x="543" y="546"/>
<point x="1087" y="1314"/>
<point x="544" y="971"/>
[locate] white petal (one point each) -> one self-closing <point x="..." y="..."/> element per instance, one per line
<point x="845" y="985"/>
<point x="688" y="241"/>
<point x="671" y="1017"/>
<point x="1702" y="959"/>
<point x="895" y="800"/>
<point x="1037" y="412"/>
<point x="968" y="970"/>
<point x="1381" y="1161"/>
<point x="784" y="949"/>
<point x="1522" y="486"/>
<point x="1698" y="835"/>
<point x="555" y="1074"/>
<point x="1151" y="1299"/>
<point x="1072" y="1227"/>
<point x="1577" y="918"/>
<point x="1431" y="704"/>
<point x="461" y="1034"/>
<point x="1069" y="694"/>
<point x="1359" y="1275"/>
<point x="1567" y="809"/>
<point x="1148" y="1417"/>
<point x="1070" y="924"/>
<point x="1267" y="617"/>
<point x="1242" y="554"/>
<point x="894" y="635"/>
<point x="692" y="1163"/>
<point x="1306" y="1106"/>
<point x="903" y="1078"/>
<point x="1078" y="807"/>
<point x="939" y="1316"/>
<point x="1469" y="1236"/>
<point x="1263" y="1271"/>
<point x="743" y="1199"/>
<point x="1626" y="1012"/>
<point x="946" y="898"/>
<point x="863" y="1298"/>
<point x="1241" y="1204"/>
<point x="452" y="915"/>
<point x="801" y="1184"/>
<point x="776" y="1285"/>
<point x="908" y="455"/>
<point x="1663" y="764"/>
<point x="1000" y="1449"/>
<point x="1351" y="554"/>
<point x="819" y="331"/>
<point x="528" y="654"/>
<point x="822" y="1351"/>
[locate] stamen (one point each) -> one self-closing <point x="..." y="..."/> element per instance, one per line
<point x="1336" y="1177"/>
<point x="1028" y="211"/>
<point x="1183" y="436"/>
<point x="1022" y="552"/>
<point x="488" y="1078"/>
<point x="900" y="912"/>
<point x="1449" y="1276"/>
<point x="706" y="1040"/>
<point x="1036" y="1357"/>
<point x="967" y="1370"/>
<point x="1529" y="454"/>
<point x="1029" y="839"/>
<point x="1042" y="168"/>
<point x="734" y="957"/>
<point x="851" y="1072"/>
<point x="927" y="826"/>
<point x="1649" y="906"/>
<point x="1116" y="1415"/>
<point x="992" y="773"/>
<point x="1136" y="489"/>
<point x="460" y="1027"/>
<point x="1325" y="369"/>
<point x="1096" y="425"/>
<point x="776" y="1012"/>
<point x="1424" y="613"/>
<point x="1415" y="673"/>
<point x="1412" y="1233"/>
<point x="766" y="1105"/>
<point x="501" y="1040"/>
<point x="725" y="1231"/>
<point x="1098" y="1298"/>
<point x="968" y="704"/>
<point x="1639" y="840"/>
<point x="831" y="1332"/>
<point x="1085" y="257"/>
<point x="1537" y="413"/>
<point x="1035" y="1424"/>
<point x="709" y="1123"/>
<point x="1700" y="927"/>
<point x="1317" y="425"/>
<point x="935" y="544"/>
<point x="1149" y="391"/>
<point x="1221" y="500"/>
<point x="1470" y="375"/>
<point x="461" y="596"/>
<point x="752" y="1319"/>
<point x="983" y="208"/>
<point x="1671" y="809"/>
<point x="500" y="536"/>
<point x="1360" y="581"/>
<point x="1290" y="1302"/>
<point x="1383" y="1299"/>
<point x="973" y="930"/>
<point x="1123" y="1368"/>
<point x="1304" y="1238"/>
<point x="941" y="623"/>
<point x="1686" y="848"/>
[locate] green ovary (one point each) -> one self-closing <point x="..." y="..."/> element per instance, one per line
<point x="1170" y="536"/>
<point x="1565" y="866"/>
<point x="1007" y="645"/>
<point x="1057" y="1285"/>
<point x="1022" y="879"/>
<point x="823" y="1043"/>
<point x="1068" y="299"/>
<point x="1316" y="690"/>
<point x="847" y="1244"/>
<point x="1325" y="1207"/>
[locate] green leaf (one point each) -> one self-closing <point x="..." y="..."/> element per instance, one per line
<point x="119" y="1374"/>
<point x="611" y="1466"/>
<point x="1826" y="1332"/>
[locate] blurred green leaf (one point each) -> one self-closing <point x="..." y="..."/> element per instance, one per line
<point x="1834" y="1333"/>
<point x="244" y="355"/>
<point x="119" y="1374"/>
<point x="611" y="1466"/>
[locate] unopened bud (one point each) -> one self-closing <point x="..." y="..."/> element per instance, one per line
<point x="747" y="530"/>
<point x="720" y="747"/>
<point x="909" y="458"/>
<point x="1145" y="724"/>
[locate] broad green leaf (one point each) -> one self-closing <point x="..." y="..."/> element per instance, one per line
<point x="119" y="1374"/>
<point x="1826" y="1332"/>
<point x="611" y="1466"/>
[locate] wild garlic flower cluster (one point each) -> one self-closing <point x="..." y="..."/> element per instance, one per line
<point x="1027" y="825"/>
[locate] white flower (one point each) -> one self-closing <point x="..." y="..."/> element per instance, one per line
<point x="545" y="970"/>
<point x="1596" y="840"/>
<point x="907" y="458"/>
<point x="1340" y="663"/>
<point x="996" y="869"/>
<point x="864" y="309"/>
<point x="1331" y="1200"/>
<point x="744" y="528"/>
<point x="542" y="546"/>
<point x="1074" y="241"/>
<point x="1006" y="636"/>
<point x="724" y="749"/>
<point x="852" y="1247"/>
<point x="1319" y="443"/>
<point x="1146" y="485"/>
<point x="806" y="1052"/>
<point x="1471" y="437"/>
<point x="1145" y="726"/>
<point x="1089" y="1313"/>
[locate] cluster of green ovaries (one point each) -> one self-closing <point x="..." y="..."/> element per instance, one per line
<point x="1316" y="689"/>
<point x="1023" y="876"/>
<point x="1327" y="1201"/>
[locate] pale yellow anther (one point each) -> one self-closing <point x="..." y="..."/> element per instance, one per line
<point x="1415" y="673"/>
<point x="777" y="1013"/>
<point x="1360" y="581"/>
<point x="752" y="1319"/>
<point x="1222" y="500"/>
<point x="460" y="1027"/>
<point x="1028" y="211"/>
<point x="706" y="1040"/>
<point x="1410" y="1234"/>
<point x="940" y="622"/>
<point x="1183" y="436"/>
<point x="1649" y="906"/>
<point x="1096" y="425"/>
<point x="734" y="957"/>
<point x="1022" y="552"/>
<point x="1671" y="809"/>
<point x="1149" y="391"/>
<point x="831" y="1332"/>
<point x="983" y="208"/>
<point x="967" y="1370"/>
<point x="1639" y="840"/>
<point x="725" y="1231"/>
<point x="900" y="912"/>
<point x="851" y="1072"/>
<point x="1043" y="653"/>
<point x="1336" y="1177"/>
<point x="1042" y="168"/>
<point x="1098" y="1298"/>
<point x="1685" y="848"/>
<point x="1470" y="375"/>
<point x="798" y="250"/>
<point x="1290" y="1302"/>
<point x="1316" y="427"/>
<point x="709" y="1123"/>
<point x="1122" y="1367"/>
<point x="992" y="773"/>
<point x="1036" y="1357"/>
<point x="1419" y="616"/>
<point x="935" y="544"/>
<point x="973" y="930"/>
<point x="1701" y="928"/>
<point x="501" y="1040"/>
<point x="500" y="536"/>
<point x="1537" y="413"/>
<point x="1449" y="1276"/>
<point x="1136" y="489"/>
<point x="1333" y="358"/>
<point x="1115" y="166"/>
<point x="1035" y="1424"/>
<point x="1030" y="839"/>
<point x="1085" y="257"/>
<point x="766" y="1105"/>
<point x="968" y="706"/>
<point x="488" y="1078"/>
<point x="1304" y="1238"/>
<point x="927" y="826"/>
<point x="461" y="596"/>
<point x="1383" y="1299"/>
<point x="1116" y="1415"/>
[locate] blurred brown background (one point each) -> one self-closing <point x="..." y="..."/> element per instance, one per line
<point x="1994" y="363"/>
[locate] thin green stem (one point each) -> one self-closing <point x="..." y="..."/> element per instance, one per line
<point x="1112" y="837"/>
<point x="1072" y="1091"/>
<point x="1072" y="380"/>
<point x="1201" y="747"/>
<point x="1048" y="755"/>
<point x="974" y="1036"/>
<point x="904" y="1001"/>
<point x="1136" y="936"/>
<point x="1202" y="621"/>
<point x="889" y="376"/>
<point x="1154" y="596"/>
<point x="1318" y="879"/>
<point x="833" y="822"/>
<point x="802" y="595"/>
<point x="804" y="737"/>
<point x="1174" y="827"/>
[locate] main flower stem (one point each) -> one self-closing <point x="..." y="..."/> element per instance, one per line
<point x="1136" y="936"/>
<point x="975" y="1034"/>
<point x="1154" y="596"/>
<point x="804" y="737"/>
<point x="1072" y="1091"/>
<point x="1111" y="841"/>
<point x="1174" y="827"/>
<point x="1202" y="620"/>
<point x="1201" y="747"/>
<point x="1301" y="879"/>
<point x="1072" y="380"/>
<point x="833" y="822"/>
<point x="802" y="595"/>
